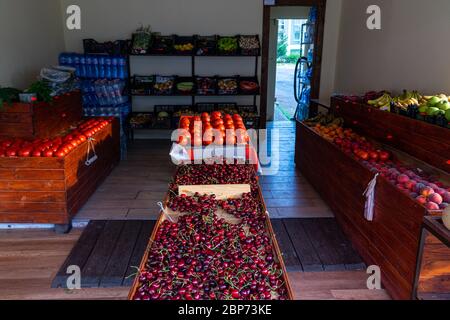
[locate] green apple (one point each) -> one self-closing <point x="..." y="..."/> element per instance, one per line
<point x="433" y="111"/>
<point x="443" y="105"/>
<point x="433" y="101"/>
<point x="423" y="109"/>
<point x="447" y="115"/>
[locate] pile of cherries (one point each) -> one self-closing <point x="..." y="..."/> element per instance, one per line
<point x="56" y="147"/>
<point x="204" y="257"/>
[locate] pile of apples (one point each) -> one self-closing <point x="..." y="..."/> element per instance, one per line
<point x="429" y="192"/>
<point x="217" y="129"/>
<point x="353" y="144"/>
<point x="56" y="147"/>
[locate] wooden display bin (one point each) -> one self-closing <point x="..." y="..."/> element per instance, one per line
<point x="40" y="120"/>
<point x="390" y="241"/>
<point x="433" y="263"/>
<point x="270" y="232"/>
<point x="425" y="141"/>
<point x="52" y="190"/>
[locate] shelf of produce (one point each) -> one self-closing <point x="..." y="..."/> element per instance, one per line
<point x="391" y="240"/>
<point x="196" y="95"/>
<point x="192" y="55"/>
<point x="52" y="190"/>
<point x="433" y="267"/>
<point x="425" y="141"/>
<point x="277" y="252"/>
<point x="40" y="119"/>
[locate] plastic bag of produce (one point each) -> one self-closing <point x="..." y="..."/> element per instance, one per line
<point x="142" y="40"/>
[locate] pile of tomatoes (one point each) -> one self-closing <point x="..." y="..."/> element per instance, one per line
<point x="56" y="147"/>
<point x="217" y="129"/>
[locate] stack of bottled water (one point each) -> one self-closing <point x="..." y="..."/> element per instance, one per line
<point x="103" y="81"/>
<point x="92" y="66"/>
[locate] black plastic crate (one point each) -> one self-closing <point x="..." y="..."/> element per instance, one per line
<point x="184" y="45"/>
<point x="141" y="120"/>
<point x="245" y="85"/>
<point x="205" y="107"/>
<point x="249" y="116"/>
<point x="203" y="89"/>
<point x="228" y="85"/>
<point x="246" y="47"/>
<point x="163" y="122"/>
<point x="184" y="80"/>
<point x="118" y="47"/>
<point x="206" y="45"/>
<point x="227" y="107"/>
<point x="142" y="85"/>
<point x="162" y="44"/>
<point x="164" y="85"/>
<point x="232" y="51"/>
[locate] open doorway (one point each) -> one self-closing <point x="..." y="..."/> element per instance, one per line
<point x="291" y="39"/>
<point x="290" y="48"/>
<point x="283" y="87"/>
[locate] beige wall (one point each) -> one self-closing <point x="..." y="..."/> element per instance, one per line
<point x="31" y="36"/>
<point x="410" y="52"/>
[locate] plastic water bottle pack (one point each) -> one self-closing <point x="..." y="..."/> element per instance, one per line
<point x="93" y="66"/>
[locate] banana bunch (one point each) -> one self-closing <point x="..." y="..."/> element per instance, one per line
<point x="407" y="99"/>
<point x="383" y="103"/>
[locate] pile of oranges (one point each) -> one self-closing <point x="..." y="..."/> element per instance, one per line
<point x="215" y="128"/>
<point x="332" y="132"/>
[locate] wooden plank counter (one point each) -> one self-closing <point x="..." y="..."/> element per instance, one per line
<point x="391" y="240"/>
<point x="52" y="190"/>
<point x="427" y="142"/>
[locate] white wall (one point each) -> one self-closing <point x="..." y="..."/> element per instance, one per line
<point x="31" y="36"/>
<point x="330" y="48"/>
<point x="410" y="52"/>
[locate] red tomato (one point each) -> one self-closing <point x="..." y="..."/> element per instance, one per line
<point x="207" y="127"/>
<point x="236" y="117"/>
<point x="37" y="152"/>
<point x="216" y="115"/>
<point x="197" y="118"/>
<point x="221" y="127"/>
<point x="25" y="152"/>
<point x="48" y="153"/>
<point x="217" y="123"/>
<point x="60" y="153"/>
<point x="11" y="152"/>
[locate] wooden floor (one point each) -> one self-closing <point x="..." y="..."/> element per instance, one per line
<point x="108" y="253"/>
<point x="30" y="259"/>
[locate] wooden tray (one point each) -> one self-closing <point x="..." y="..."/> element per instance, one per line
<point x="270" y="232"/>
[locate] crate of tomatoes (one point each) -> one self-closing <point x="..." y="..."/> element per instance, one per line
<point x="213" y="128"/>
<point x="65" y="170"/>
